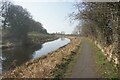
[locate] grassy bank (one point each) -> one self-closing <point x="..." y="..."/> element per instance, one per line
<point x="64" y="70"/>
<point x="33" y="39"/>
<point x="68" y="72"/>
<point x="40" y="38"/>
<point x="105" y="68"/>
<point x="45" y="67"/>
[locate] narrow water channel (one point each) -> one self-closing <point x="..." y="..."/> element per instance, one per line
<point x="17" y="56"/>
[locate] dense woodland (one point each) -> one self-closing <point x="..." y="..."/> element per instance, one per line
<point x="100" y="22"/>
<point x="17" y="23"/>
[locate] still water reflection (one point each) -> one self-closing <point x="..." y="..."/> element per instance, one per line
<point x="51" y="46"/>
<point x="19" y="55"/>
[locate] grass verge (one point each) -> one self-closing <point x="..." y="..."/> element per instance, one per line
<point x="64" y="70"/>
<point x="105" y="68"/>
<point x="70" y="66"/>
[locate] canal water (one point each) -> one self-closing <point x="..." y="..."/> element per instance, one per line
<point x="17" y="56"/>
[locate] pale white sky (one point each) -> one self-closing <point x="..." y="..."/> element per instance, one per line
<point x="53" y="15"/>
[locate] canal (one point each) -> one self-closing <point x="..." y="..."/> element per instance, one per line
<point x="17" y="56"/>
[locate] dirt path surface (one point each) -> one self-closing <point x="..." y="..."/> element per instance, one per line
<point x="85" y="65"/>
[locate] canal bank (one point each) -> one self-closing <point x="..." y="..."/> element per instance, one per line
<point x="46" y="65"/>
<point x="19" y="55"/>
<point x="33" y="40"/>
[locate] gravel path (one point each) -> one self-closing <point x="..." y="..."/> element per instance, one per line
<point x="85" y="65"/>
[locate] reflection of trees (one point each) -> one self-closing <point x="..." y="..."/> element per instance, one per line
<point x="18" y="56"/>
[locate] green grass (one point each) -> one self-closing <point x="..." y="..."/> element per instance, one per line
<point x="64" y="69"/>
<point x="39" y="36"/>
<point x="70" y="66"/>
<point x="105" y="68"/>
<point x="36" y="38"/>
<point x="61" y="68"/>
<point x="33" y="37"/>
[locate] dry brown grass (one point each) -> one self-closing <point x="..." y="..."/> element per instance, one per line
<point x="44" y="66"/>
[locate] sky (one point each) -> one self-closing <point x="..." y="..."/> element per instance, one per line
<point x="53" y="15"/>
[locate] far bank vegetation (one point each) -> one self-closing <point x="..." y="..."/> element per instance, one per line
<point x="18" y="26"/>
